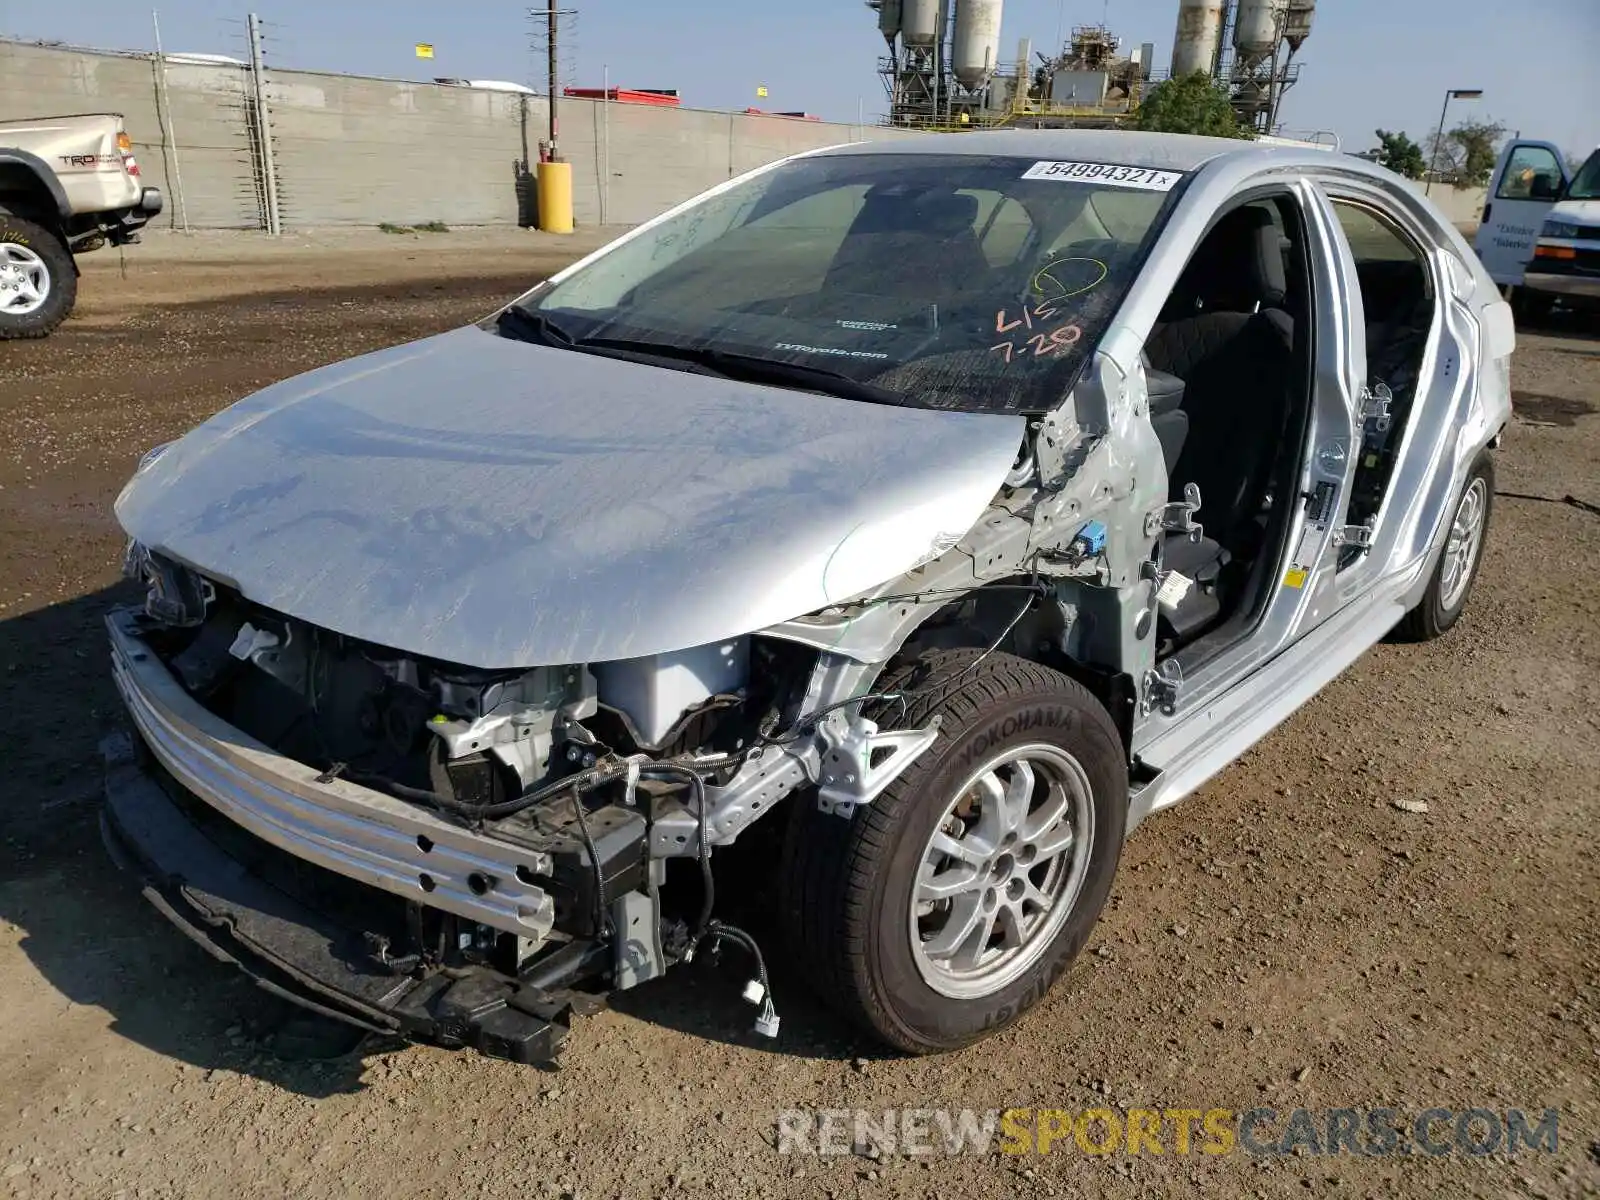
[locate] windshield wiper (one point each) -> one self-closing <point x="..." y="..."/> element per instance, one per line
<point x="525" y="324"/>
<point x="751" y="368"/>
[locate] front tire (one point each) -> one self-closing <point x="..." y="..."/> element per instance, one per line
<point x="1532" y="308"/>
<point x="38" y="282"/>
<point x="1446" y="596"/>
<point x="947" y="908"/>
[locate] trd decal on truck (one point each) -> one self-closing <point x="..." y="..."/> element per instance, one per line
<point x="92" y="160"/>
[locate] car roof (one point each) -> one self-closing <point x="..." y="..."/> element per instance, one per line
<point x="1168" y="151"/>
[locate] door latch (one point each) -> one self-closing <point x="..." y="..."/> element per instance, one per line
<point x="1177" y="517"/>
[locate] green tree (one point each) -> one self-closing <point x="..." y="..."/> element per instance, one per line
<point x="1400" y="154"/>
<point x="1466" y="155"/>
<point x="1480" y="146"/>
<point x="1190" y="104"/>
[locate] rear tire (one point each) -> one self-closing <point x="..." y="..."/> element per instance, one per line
<point x="1453" y="575"/>
<point x="38" y="281"/>
<point x="1017" y="742"/>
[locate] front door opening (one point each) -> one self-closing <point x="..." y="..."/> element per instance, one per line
<point x="1230" y="370"/>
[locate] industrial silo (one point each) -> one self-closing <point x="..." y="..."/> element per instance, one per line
<point x="1255" y="29"/>
<point x="1194" y="45"/>
<point x="975" y="49"/>
<point x="919" y="22"/>
<point x="889" y="19"/>
<point x="1297" y="22"/>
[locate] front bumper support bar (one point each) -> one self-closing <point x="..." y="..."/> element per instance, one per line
<point x="353" y="831"/>
<point x="301" y="954"/>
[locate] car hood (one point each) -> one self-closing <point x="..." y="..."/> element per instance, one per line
<point x="498" y="504"/>
<point x="1584" y="212"/>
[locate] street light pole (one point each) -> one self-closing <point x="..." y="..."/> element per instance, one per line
<point x="1438" y="137"/>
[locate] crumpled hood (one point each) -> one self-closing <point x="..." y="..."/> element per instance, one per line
<point x="498" y="504"/>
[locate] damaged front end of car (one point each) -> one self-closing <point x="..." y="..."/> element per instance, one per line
<point x="461" y="856"/>
<point x="470" y="854"/>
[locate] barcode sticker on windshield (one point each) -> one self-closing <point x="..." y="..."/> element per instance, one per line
<point x="1110" y="174"/>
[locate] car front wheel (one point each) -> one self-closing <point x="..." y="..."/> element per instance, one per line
<point x="946" y="908"/>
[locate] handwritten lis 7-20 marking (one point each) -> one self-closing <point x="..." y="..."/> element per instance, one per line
<point x="1041" y="344"/>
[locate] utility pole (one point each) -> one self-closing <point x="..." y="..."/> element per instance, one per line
<point x="553" y="182"/>
<point x="554" y="124"/>
<point x="269" y="170"/>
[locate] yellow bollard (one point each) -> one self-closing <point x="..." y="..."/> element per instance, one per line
<point x="555" y="197"/>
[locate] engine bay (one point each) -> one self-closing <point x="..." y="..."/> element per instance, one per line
<point x="580" y="766"/>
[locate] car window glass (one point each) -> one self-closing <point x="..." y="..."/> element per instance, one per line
<point x="1532" y="173"/>
<point x="796" y="241"/>
<point x="1002" y="225"/>
<point x="1585" y="184"/>
<point x="922" y="275"/>
<point x="1371" y="238"/>
<point x="1120" y="219"/>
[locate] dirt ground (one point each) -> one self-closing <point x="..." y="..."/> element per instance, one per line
<point x="1288" y="937"/>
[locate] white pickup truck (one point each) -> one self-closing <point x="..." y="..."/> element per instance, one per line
<point x="1540" y="235"/>
<point x="67" y="185"/>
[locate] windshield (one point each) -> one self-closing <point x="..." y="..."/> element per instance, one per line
<point x="1585" y="184"/>
<point x="942" y="281"/>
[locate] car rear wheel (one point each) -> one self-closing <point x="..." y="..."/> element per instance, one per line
<point x="945" y="909"/>
<point x="38" y="283"/>
<point x="1446" y="598"/>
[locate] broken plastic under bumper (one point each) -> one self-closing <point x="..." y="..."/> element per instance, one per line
<point x="296" y="951"/>
<point x="230" y="844"/>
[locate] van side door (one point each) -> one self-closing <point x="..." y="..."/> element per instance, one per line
<point x="1527" y="181"/>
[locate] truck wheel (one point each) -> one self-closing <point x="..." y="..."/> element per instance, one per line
<point x="946" y="908"/>
<point x="1532" y="308"/>
<point x="38" y="283"/>
<point x="1446" y="598"/>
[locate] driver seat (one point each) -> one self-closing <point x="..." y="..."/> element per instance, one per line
<point x="1226" y="335"/>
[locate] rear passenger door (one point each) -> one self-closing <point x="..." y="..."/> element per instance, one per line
<point x="1416" y="361"/>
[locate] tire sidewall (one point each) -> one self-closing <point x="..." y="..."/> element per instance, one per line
<point x="1440" y="617"/>
<point x="929" y="1018"/>
<point x="57" y="261"/>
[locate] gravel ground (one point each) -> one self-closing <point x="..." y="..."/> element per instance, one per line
<point x="1289" y="937"/>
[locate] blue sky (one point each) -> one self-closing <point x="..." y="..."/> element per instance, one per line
<point x="1368" y="63"/>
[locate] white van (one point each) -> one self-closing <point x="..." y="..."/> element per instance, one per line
<point x="1540" y="234"/>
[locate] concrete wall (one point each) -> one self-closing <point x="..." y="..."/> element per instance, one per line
<point x="351" y="150"/>
<point x="1463" y="206"/>
<point x="354" y="151"/>
<point x="208" y="116"/>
